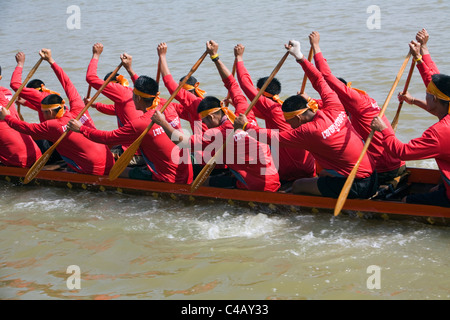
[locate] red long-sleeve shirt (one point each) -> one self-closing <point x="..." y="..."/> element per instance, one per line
<point x="81" y="154"/>
<point x="293" y="163"/>
<point x="434" y="143"/>
<point x="250" y="160"/>
<point x="362" y="109"/>
<point x="161" y="154"/>
<point x="34" y="97"/>
<point x="16" y="149"/>
<point x="329" y="137"/>
<point x="122" y="97"/>
<point x="427" y="69"/>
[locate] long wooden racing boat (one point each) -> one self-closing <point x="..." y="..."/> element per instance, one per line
<point x="386" y="206"/>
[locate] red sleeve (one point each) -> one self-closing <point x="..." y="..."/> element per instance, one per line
<point x="134" y="78"/>
<point x="239" y="100"/>
<point x="288" y="139"/>
<point x="75" y="102"/>
<point x="123" y="135"/>
<point x="31" y="95"/>
<point x="329" y="97"/>
<point x="425" y="147"/>
<point x="185" y="97"/>
<point x="108" y="109"/>
<point x="430" y="63"/>
<point x="262" y="108"/>
<point x="348" y="96"/>
<point x="425" y="73"/>
<point x="114" y="91"/>
<point x="38" y="131"/>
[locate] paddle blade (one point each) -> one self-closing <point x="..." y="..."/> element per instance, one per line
<point x="38" y="165"/>
<point x="125" y="158"/>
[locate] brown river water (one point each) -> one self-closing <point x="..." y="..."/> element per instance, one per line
<point x="134" y="247"/>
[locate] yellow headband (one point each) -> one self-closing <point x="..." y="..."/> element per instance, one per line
<point x="274" y="97"/>
<point x="198" y="91"/>
<point x="60" y="113"/>
<point x="148" y="96"/>
<point x="312" y="105"/>
<point x="230" y="115"/>
<point x="432" y="89"/>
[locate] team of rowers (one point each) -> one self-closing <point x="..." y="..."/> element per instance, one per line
<point x="317" y="141"/>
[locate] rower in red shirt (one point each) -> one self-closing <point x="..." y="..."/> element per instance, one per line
<point x="80" y="154"/>
<point x="189" y="98"/>
<point x="250" y="161"/>
<point x="362" y="109"/>
<point x="292" y="164"/>
<point x="35" y="91"/>
<point x="433" y="143"/>
<point x="327" y="133"/>
<point x="16" y="149"/>
<point x="165" y="161"/>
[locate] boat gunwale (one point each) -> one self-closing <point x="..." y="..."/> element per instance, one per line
<point x="419" y="175"/>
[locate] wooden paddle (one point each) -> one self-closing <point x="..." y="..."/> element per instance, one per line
<point x="158" y="71"/>
<point x="18" y="111"/>
<point x="209" y="167"/>
<point x="305" y="77"/>
<point x="348" y="184"/>
<point x="88" y="95"/>
<point x="408" y="80"/>
<point x="40" y="163"/>
<point x="30" y="74"/>
<point x="125" y="158"/>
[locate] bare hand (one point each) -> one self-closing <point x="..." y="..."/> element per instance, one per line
<point x="405" y="98"/>
<point x="239" y="52"/>
<point x="21" y="101"/>
<point x="20" y="59"/>
<point x="240" y="121"/>
<point x="314" y="38"/>
<point x="162" y="49"/>
<point x="158" y="117"/>
<point x="97" y="49"/>
<point x="74" y="125"/>
<point x="3" y="112"/>
<point x="127" y="60"/>
<point x="46" y="54"/>
<point x="422" y="37"/>
<point x="212" y="47"/>
<point x="414" y="48"/>
<point x="378" y="124"/>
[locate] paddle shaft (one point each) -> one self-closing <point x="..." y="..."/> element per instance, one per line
<point x="158" y="71"/>
<point x="305" y="77"/>
<point x="88" y="95"/>
<point x="40" y="163"/>
<point x="126" y="157"/>
<point x="206" y="171"/>
<point x="405" y="90"/>
<point x="348" y="183"/>
<point x="30" y="74"/>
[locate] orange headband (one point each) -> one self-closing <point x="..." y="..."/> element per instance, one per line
<point x="122" y="80"/>
<point x="148" y="96"/>
<point x="274" y="97"/>
<point x="44" y="89"/>
<point x="312" y="105"/>
<point x="349" y="84"/>
<point x="198" y="91"/>
<point x="230" y="115"/>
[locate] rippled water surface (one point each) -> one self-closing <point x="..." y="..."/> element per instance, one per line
<point x="135" y="247"/>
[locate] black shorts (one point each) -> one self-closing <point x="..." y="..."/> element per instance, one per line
<point x="140" y="173"/>
<point x="436" y="198"/>
<point x="361" y="188"/>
